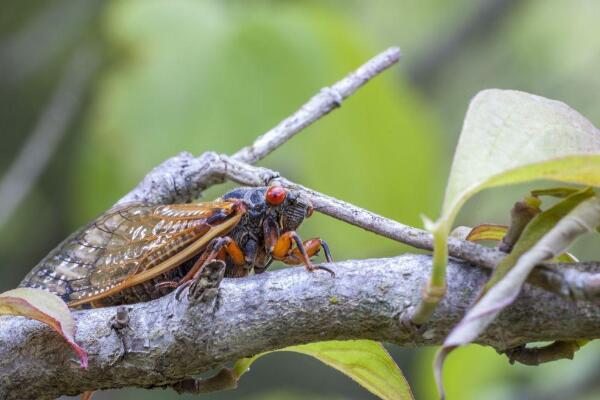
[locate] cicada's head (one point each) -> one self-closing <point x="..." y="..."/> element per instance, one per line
<point x="287" y="207"/>
<point x="291" y="206"/>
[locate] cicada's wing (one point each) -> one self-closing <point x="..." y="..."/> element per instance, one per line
<point x="128" y="245"/>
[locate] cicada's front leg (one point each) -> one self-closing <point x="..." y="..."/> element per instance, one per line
<point x="285" y="252"/>
<point x="281" y="247"/>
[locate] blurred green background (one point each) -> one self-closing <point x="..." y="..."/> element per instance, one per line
<point x="93" y="94"/>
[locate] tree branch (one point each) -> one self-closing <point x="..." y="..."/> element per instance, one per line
<point x="167" y="340"/>
<point x="170" y="340"/>
<point x="183" y="177"/>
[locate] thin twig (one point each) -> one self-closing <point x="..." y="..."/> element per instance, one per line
<point x="193" y="176"/>
<point x="48" y="132"/>
<point x="533" y="356"/>
<point x="521" y="214"/>
<point x="183" y="177"/>
<point x="318" y="106"/>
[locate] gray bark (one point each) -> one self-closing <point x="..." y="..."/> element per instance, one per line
<point x="169" y="340"/>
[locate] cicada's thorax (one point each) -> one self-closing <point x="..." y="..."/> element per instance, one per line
<point x="260" y="218"/>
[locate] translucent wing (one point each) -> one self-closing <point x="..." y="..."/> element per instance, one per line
<point x="129" y="241"/>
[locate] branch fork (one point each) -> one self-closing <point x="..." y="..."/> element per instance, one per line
<point x="224" y="320"/>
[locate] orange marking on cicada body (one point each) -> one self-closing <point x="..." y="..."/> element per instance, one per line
<point x="284" y="250"/>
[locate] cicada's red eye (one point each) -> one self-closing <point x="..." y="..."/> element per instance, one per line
<point x="275" y="195"/>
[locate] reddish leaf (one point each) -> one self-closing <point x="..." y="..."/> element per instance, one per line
<point x="44" y="307"/>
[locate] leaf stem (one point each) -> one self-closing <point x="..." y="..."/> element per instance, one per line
<point x="435" y="290"/>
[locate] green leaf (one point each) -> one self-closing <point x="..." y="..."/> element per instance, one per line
<point x="547" y="235"/>
<point x="513" y="137"/>
<point x="510" y="136"/>
<point x="242" y="366"/>
<point x="44" y="307"/>
<point x="365" y="361"/>
<point x="560" y="192"/>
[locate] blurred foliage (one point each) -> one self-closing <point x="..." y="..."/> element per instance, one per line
<point x="209" y="75"/>
<point x="221" y="75"/>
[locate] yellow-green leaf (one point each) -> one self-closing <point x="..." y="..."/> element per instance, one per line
<point x="365" y="361"/>
<point x="487" y="232"/>
<point x="513" y="137"/>
<point x="44" y="307"/>
<point x="560" y="192"/>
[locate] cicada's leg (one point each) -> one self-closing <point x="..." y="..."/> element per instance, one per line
<point x="283" y="250"/>
<point x="237" y="256"/>
<point x="197" y="265"/>
<point x="312" y="247"/>
<point x="217" y="249"/>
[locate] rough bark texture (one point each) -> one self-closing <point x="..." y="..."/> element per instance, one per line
<point x="169" y="340"/>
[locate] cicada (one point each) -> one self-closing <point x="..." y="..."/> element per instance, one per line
<point x="138" y="252"/>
